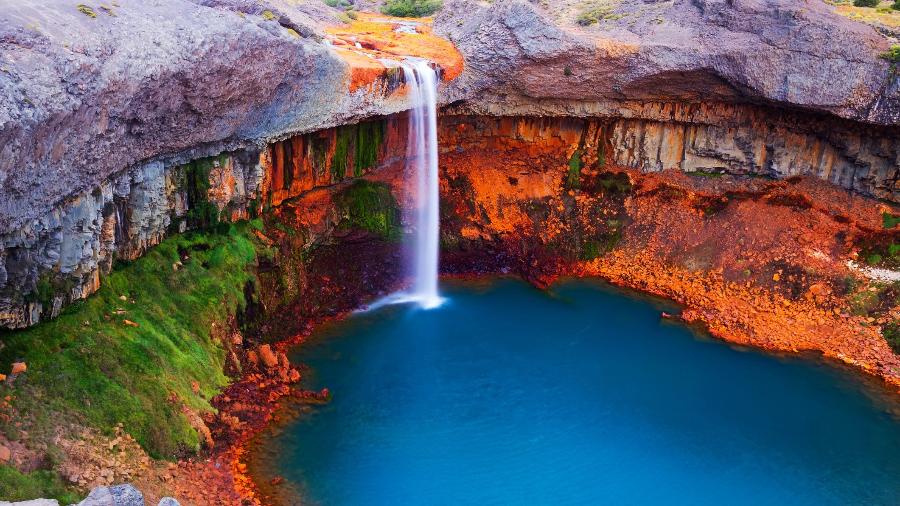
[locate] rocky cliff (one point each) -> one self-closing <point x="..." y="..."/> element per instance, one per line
<point x="153" y="118"/>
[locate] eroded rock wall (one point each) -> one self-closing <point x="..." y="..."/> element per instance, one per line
<point x="717" y="138"/>
<point x="59" y="257"/>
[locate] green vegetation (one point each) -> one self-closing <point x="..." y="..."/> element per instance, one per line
<point x="891" y="333"/>
<point x="340" y="4"/>
<point x="268" y="15"/>
<point x="364" y="141"/>
<point x="896" y="5"/>
<point x="573" y="176"/>
<point x="889" y="220"/>
<point x="893" y="54"/>
<point x="614" y="182"/>
<point x="367" y="205"/>
<point x="93" y="368"/>
<point x="201" y="212"/>
<point x="411" y="8"/>
<point x="17" y="486"/>
<point x="602" y="243"/>
<point x="866" y="3"/>
<point x="87" y="11"/>
<point x="886" y="254"/>
<point x="711" y="174"/>
<point x="596" y="11"/>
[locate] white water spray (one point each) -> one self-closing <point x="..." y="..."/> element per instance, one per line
<point x="422" y="159"/>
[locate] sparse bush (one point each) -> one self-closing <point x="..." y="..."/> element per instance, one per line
<point x="891" y="333"/>
<point x="866" y="3"/>
<point x="339" y="4"/>
<point x="411" y="8"/>
<point x="87" y="11"/>
<point x="893" y="54"/>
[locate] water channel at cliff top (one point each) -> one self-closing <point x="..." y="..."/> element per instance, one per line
<point x="580" y="395"/>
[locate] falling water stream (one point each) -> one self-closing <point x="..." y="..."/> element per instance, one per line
<point x="422" y="159"/>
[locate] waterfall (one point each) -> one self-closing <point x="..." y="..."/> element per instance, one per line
<point x="422" y="156"/>
<point x="422" y="160"/>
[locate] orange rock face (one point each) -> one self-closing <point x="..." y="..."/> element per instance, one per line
<point x="760" y="262"/>
<point x="370" y="37"/>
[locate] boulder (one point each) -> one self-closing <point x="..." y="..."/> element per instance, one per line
<point x="168" y="501"/>
<point x="18" y="368"/>
<point x="119" y="495"/>
<point x="267" y="356"/>
<point x="5" y="454"/>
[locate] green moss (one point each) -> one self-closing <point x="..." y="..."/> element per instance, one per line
<point x="411" y="8"/>
<point x="89" y="367"/>
<point x="363" y="141"/>
<point x="87" y="11"/>
<point x="601" y="154"/>
<point x="891" y="333"/>
<point x="339" y="160"/>
<point x="201" y="212"/>
<point x="602" y="243"/>
<point x="614" y="182"/>
<point x="573" y="176"/>
<point x="18" y="486"/>
<point x="367" y="205"/>
<point x="889" y="220"/>
<point x="369" y="138"/>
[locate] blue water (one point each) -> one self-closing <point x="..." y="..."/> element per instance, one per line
<point x="509" y="395"/>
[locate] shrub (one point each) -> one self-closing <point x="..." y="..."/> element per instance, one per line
<point x="893" y="54"/>
<point x="411" y="8"/>
<point x="896" y="5"/>
<point x="866" y="3"/>
<point x="891" y="333"/>
<point x="87" y="11"/>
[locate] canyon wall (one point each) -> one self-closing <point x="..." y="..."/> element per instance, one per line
<point x="58" y="258"/>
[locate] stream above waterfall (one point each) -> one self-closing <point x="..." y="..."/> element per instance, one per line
<point x="579" y="395"/>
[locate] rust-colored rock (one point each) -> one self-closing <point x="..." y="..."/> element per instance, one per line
<point x="268" y="357"/>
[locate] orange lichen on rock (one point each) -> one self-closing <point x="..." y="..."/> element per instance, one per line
<point x="370" y="37"/>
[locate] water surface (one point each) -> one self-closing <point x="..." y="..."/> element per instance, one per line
<point x="509" y="395"/>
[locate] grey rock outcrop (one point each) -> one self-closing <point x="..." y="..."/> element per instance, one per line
<point x="118" y="495"/>
<point x="168" y="501"/>
<point x="787" y="53"/>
